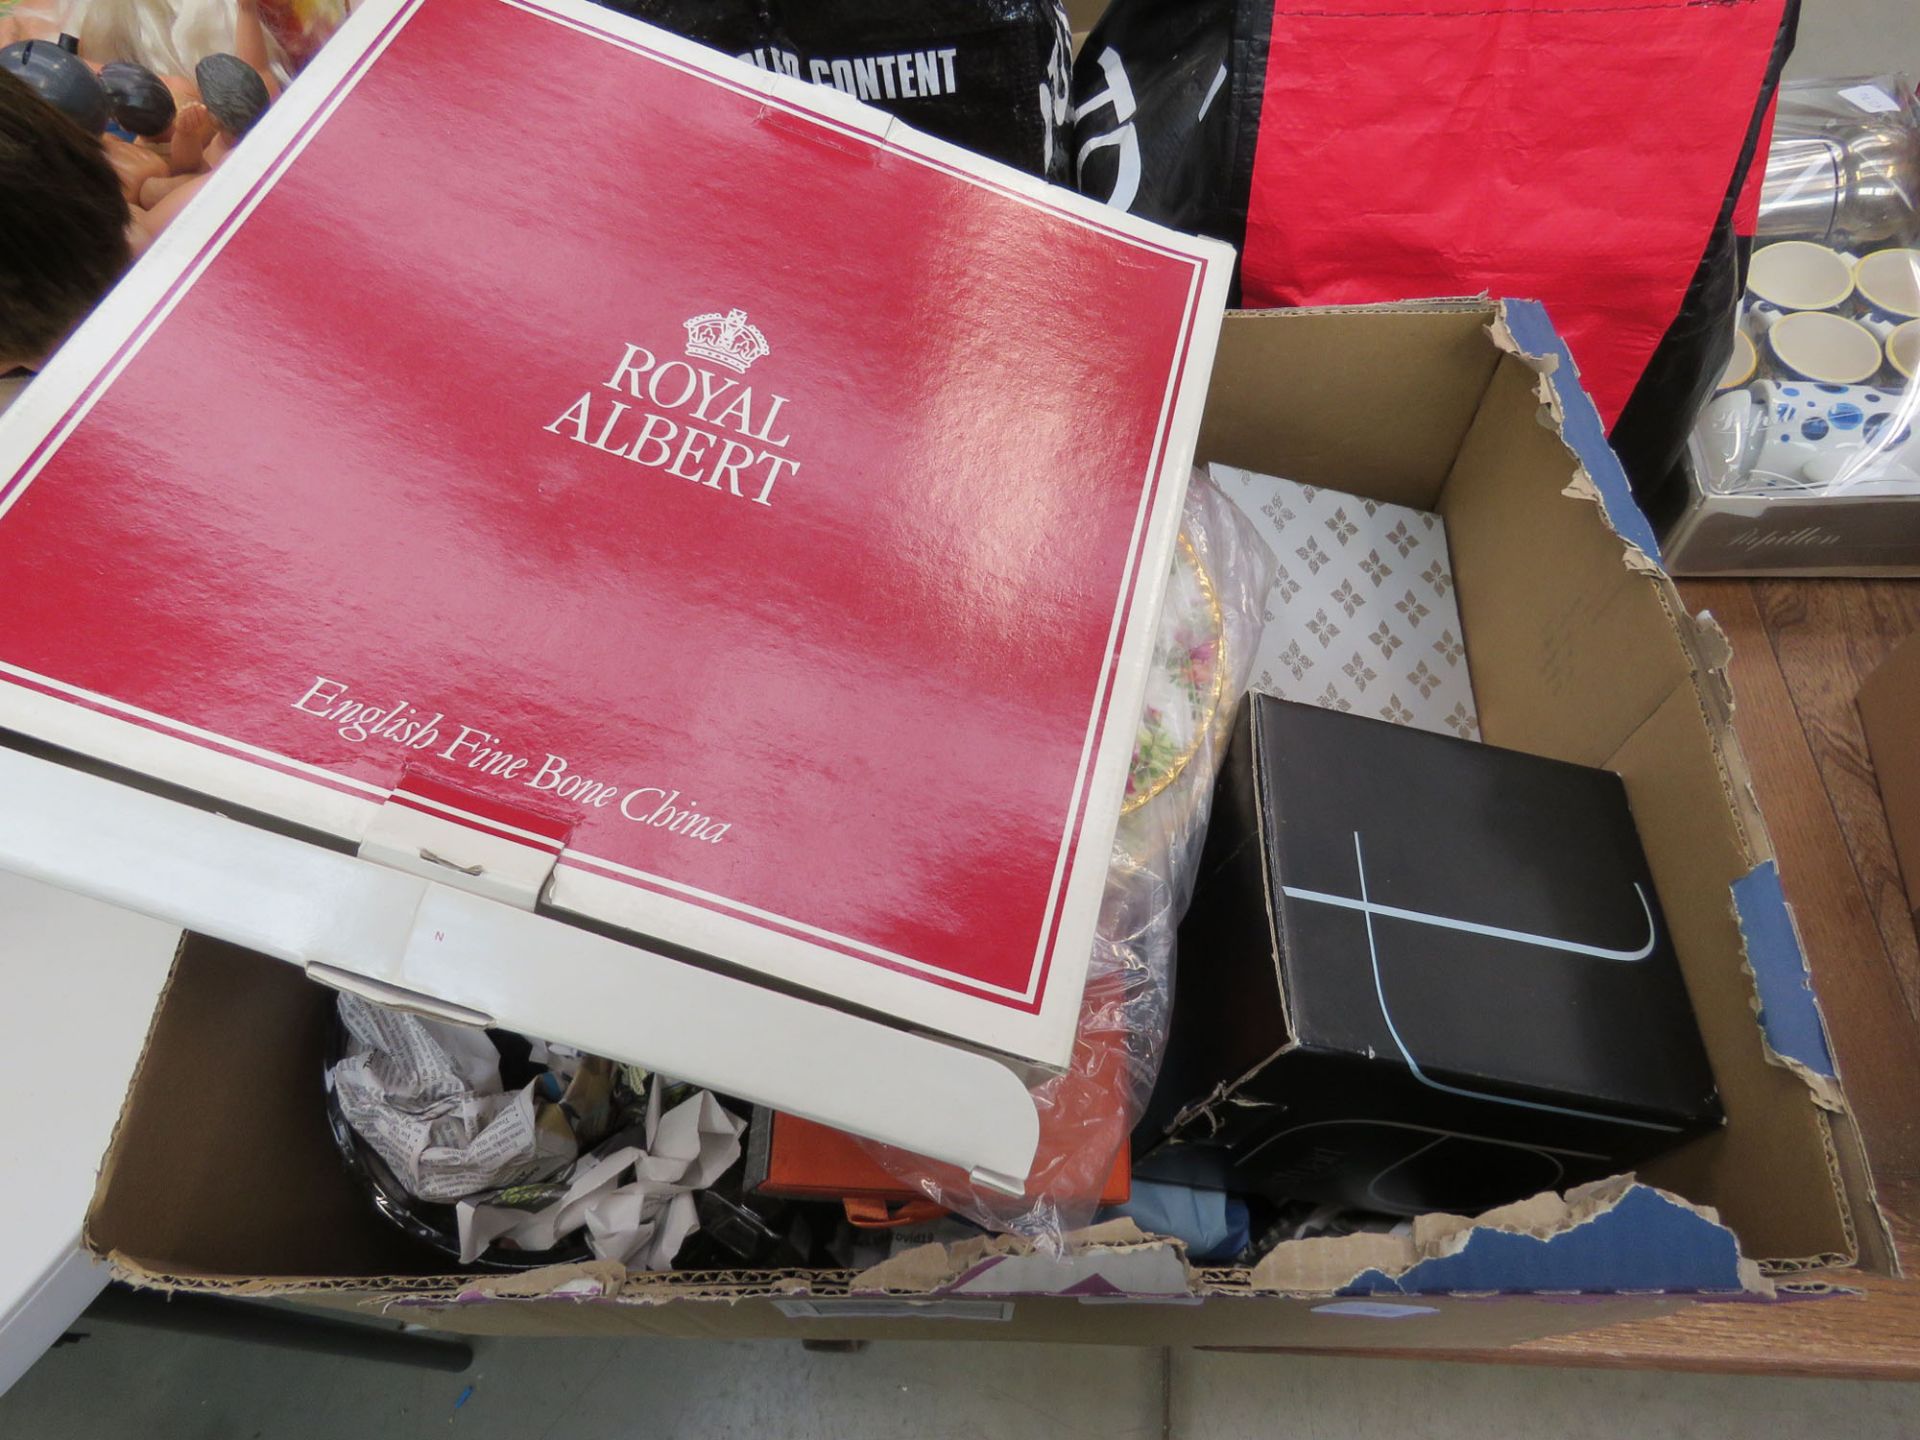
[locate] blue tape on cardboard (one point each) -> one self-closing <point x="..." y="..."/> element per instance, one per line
<point x="1645" y="1242"/>
<point x="1789" y="1014"/>
<point x="1533" y="332"/>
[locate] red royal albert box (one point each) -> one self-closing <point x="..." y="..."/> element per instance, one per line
<point x="558" y="483"/>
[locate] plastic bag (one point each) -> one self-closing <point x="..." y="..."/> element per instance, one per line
<point x="1822" y="396"/>
<point x="1208" y="626"/>
<point x="1358" y="154"/>
<point x="991" y="75"/>
<point x="301" y="27"/>
<point x="169" y="37"/>
<point x="1156" y="121"/>
<point x="1844" y="166"/>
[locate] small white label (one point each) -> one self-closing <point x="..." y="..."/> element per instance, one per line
<point x="1870" y="98"/>
<point x="853" y="1308"/>
<point x="1374" y="1309"/>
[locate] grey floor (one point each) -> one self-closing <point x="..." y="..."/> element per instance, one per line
<point x="1857" y="37"/>
<point x="121" y="1381"/>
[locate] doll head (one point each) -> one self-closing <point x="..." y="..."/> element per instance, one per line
<point x="233" y="92"/>
<point x="142" y="104"/>
<point x="61" y="78"/>
<point x="65" y="240"/>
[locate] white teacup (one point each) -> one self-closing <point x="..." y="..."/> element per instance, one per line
<point x="1727" y="438"/>
<point x="1888" y="283"/>
<point x="1800" y="275"/>
<point x="1740" y="365"/>
<point x="1758" y="316"/>
<point x="1813" y="434"/>
<point x="1881" y="325"/>
<point x="1825" y="348"/>
<point x="1903" y="351"/>
<point x="1856" y="412"/>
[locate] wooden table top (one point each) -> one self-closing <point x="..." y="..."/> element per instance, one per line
<point x="1801" y="649"/>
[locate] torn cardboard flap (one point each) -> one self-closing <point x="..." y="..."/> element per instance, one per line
<point x="1501" y="333"/>
<point x="1553" y="415"/>
<point x="1522" y="329"/>
<point x="1111" y="1259"/>
<point x="1582" y="484"/>
<point x="1792" y="1028"/>
<point x="1540" y="1216"/>
<point x="1618" y="1224"/>
<point x="1582" y="487"/>
<point x="1327" y="1264"/>
<point x="1759" y="907"/>
<point x="1712" y="654"/>
<point x="1437" y="1257"/>
<point x="923" y="1268"/>
<point x="587" y="1280"/>
<point x="1782" y="995"/>
<point x="1711" y="646"/>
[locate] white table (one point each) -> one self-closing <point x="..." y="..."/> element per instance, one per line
<point x="80" y="983"/>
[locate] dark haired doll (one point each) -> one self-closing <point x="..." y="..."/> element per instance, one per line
<point x="66" y="82"/>
<point x="232" y="98"/>
<point x="234" y="90"/>
<point x="142" y="104"/>
<point x="61" y="78"/>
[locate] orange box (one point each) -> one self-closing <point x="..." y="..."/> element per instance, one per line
<point x="795" y="1159"/>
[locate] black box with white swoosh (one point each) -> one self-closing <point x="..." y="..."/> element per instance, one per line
<point x="1419" y="973"/>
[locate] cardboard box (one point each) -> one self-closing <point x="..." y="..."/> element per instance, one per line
<point x="741" y="607"/>
<point x="1890" y="712"/>
<point x="1419" y="973"/>
<point x="222" y="1175"/>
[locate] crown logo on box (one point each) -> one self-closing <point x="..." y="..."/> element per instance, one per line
<point x="726" y="340"/>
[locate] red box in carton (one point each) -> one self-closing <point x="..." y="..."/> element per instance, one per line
<point x="697" y="507"/>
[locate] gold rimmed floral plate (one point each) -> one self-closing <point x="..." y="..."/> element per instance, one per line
<point x="1185" y="685"/>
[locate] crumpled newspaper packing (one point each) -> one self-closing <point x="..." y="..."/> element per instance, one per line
<point x="428" y="1098"/>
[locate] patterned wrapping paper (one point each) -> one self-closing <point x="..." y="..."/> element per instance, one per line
<point x="1362" y="614"/>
